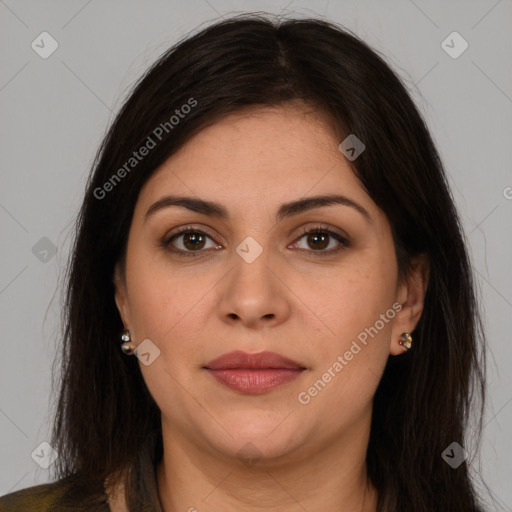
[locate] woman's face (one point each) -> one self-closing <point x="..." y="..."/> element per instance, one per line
<point x="251" y="280"/>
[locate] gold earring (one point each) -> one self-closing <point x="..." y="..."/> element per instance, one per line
<point x="406" y="340"/>
<point x="128" y="347"/>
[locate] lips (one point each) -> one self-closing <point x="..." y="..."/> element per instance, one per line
<point x="253" y="373"/>
<point x="243" y="360"/>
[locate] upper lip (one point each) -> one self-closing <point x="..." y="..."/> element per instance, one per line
<point x="260" y="360"/>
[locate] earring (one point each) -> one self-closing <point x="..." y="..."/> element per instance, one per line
<point x="406" y="340"/>
<point x="128" y="347"/>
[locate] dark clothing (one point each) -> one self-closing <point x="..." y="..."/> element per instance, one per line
<point x="61" y="496"/>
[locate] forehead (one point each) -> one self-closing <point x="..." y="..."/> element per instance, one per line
<point x="265" y="155"/>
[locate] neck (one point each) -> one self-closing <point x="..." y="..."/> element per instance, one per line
<point x="333" y="477"/>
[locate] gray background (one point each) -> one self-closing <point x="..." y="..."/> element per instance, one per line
<point x="54" y="113"/>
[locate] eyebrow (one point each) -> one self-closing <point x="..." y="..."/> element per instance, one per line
<point x="213" y="209"/>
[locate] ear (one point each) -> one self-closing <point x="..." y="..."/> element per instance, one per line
<point x="411" y="296"/>
<point x="121" y="296"/>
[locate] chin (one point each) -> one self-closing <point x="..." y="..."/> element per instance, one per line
<point x="260" y="443"/>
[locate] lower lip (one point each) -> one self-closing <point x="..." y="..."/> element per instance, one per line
<point x="255" y="381"/>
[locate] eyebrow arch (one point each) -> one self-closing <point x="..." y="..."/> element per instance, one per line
<point x="290" y="209"/>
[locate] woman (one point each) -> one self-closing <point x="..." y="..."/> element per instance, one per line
<point x="270" y="303"/>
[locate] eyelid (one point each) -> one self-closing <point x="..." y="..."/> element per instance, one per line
<point x="324" y="228"/>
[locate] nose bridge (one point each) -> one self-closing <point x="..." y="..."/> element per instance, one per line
<point x="253" y="292"/>
<point x="251" y="274"/>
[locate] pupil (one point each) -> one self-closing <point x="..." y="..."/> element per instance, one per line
<point x="316" y="237"/>
<point x="194" y="239"/>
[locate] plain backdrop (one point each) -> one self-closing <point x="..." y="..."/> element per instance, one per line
<point x="55" y="110"/>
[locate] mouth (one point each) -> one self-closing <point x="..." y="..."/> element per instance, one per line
<point x="253" y="373"/>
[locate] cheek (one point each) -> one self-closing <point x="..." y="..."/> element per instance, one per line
<point x="352" y="342"/>
<point x="159" y="297"/>
<point x="171" y="309"/>
<point x="168" y="311"/>
<point x="354" y="298"/>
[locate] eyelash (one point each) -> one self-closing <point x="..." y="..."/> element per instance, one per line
<point x="344" y="242"/>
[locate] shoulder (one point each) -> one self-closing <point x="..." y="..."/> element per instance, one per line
<point x="39" y="498"/>
<point x="50" y="497"/>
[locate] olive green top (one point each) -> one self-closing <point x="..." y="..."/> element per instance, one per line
<point x="61" y="496"/>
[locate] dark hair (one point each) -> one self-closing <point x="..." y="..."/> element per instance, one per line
<point x="426" y="397"/>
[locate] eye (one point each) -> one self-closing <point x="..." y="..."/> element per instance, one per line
<point x="320" y="238"/>
<point x="188" y="241"/>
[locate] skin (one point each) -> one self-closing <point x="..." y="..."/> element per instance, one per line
<point x="289" y="300"/>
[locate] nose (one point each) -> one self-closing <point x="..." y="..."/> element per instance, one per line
<point x="255" y="294"/>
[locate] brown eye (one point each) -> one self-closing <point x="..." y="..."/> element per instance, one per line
<point x="318" y="240"/>
<point x="193" y="240"/>
<point x="189" y="241"/>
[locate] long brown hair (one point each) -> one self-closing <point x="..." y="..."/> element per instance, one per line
<point x="426" y="397"/>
